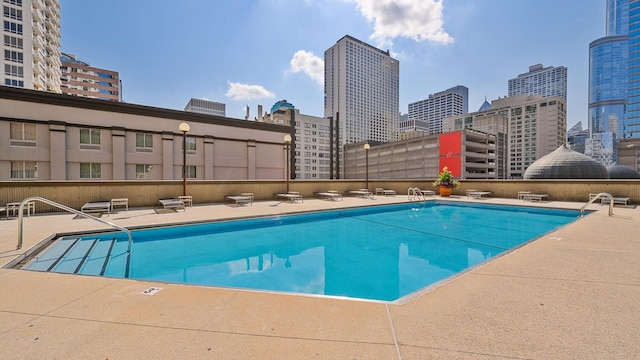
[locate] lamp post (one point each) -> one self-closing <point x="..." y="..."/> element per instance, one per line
<point x="184" y="127"/>
<point x="366" y="157"/>
<point x="287" y="144"/>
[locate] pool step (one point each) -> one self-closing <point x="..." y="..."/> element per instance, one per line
<point x="88" y="256"/>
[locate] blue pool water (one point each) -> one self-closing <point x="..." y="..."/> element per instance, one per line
<point x="381" y="252"/>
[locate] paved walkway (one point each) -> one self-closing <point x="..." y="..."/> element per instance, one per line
<point x="572" y="294"/>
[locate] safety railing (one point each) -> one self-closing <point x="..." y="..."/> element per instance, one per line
<point x="74" y="211"/>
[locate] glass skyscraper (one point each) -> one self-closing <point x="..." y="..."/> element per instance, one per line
<point x="608" y="83"/>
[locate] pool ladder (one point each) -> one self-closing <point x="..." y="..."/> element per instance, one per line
<point x="74" y="211"/>
<point x="415" y="194"/>
<point x="599" y="196"/>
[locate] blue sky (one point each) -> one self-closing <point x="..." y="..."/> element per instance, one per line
<point x="250" y="52"/>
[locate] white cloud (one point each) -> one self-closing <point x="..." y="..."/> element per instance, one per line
<point x="309" y="64"/>
<point x="419" y="20"/>
<point x="239" y="91"/>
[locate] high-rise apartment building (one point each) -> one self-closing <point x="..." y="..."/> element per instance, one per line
<point x="426" y="115"/>
<point x="361" y="86"/>
<point x="31" y="44"/>
<point x="526" y="128"/>
<point x="206" y="107"/>
<point x="81" y="79"/>
<point x="540" y="80"/>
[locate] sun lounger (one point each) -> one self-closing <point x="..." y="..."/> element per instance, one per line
<point x="240" y="199"/>
<point x="534" y="197"/>
<point x="477" y="194"/>
<point x="616" y="200"/>
<point x="385" y="192"/>
<point x="290" y="197"/>
<point x="97" y="207"/>
<point x="172" y="204"/>
<point x="331" y="195"/>
<point x="363" y="193"/>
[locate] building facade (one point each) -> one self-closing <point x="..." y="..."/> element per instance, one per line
<point x="540" y="80"/>
<point x="426" y="115"/>
<point x="54" y="137"/>
<point x="206" y="107"/>
<point x="361" y="92"/>
<point x="81" y="79"/>
<point x="535" y="126"/>
<point x="31" y="44"/>
<point x="469" y="154"/>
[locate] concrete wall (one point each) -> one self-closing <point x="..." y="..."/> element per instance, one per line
<point x="147" y="193"/>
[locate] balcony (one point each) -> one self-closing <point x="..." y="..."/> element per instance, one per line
<point x="38" y="43"/>
<point x="38" y="4"/>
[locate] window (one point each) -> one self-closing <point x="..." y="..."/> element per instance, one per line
<point x="12" y="13"/>
<point x="14" y="56"/>
<point x="191" y="172"/>
<point x="14" y="2"/>
<point x="90" y="171"/>
<point x="12" y="41"/>
<point x="22" y="134"/>
<point x="144" y="142"/>
<point x="13" y="70"/>
<point x="144" y="171"/>
<point x="13" y="27"/>
<point x="190" y="145"/>
<point x="13" y="82"/>
<point x="90" y="139"/>
<point x="23" y="170"/>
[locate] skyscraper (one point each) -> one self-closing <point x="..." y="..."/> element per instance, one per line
<point x="540" y="80"/>
<point x="611" y="70"/>
<point x="426" y="115"/>
<point x="206" y="107"/>
<point x="362" y="91"/>
<point x="31" y="35"/>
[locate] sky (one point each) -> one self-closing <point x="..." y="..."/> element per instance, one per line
<point x="257" y="52"/>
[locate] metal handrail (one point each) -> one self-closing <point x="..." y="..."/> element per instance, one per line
<point x="598" y="196"/>
<point x="74" y="211"/>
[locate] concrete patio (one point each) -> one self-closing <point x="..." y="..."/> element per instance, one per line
<point x="571" y="294"/>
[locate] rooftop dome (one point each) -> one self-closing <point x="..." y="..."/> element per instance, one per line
<point x="564" y="163"/>
<point x="622" y="172"/>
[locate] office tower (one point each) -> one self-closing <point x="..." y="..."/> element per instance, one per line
<point x="631" y="127"/>
<point x="206" y="107"/>
<point x="31" y="35"/>
<point x="426" y="115"/>
<point x="526" y="128"/>
<point x="361" y="92"/>
<point x="545" y="81"/>
<point x="608" y="84"/>
<point x="81" y="79"/>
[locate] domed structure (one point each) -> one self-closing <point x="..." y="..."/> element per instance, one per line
<point x="622" y="172"/>
<point x="564" y="163"/>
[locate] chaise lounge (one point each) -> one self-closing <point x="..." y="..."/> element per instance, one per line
<point x="240" y="199"/>
<point x="363" y="193"/>
<point x="331" y="195"/>
<point x="172" y="203"/>
<point x="97" y="207"/>
<point x="385" y="192"/>
<point x="290" y="197"/>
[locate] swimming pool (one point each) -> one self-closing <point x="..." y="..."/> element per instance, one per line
<point x="377" y="253"/>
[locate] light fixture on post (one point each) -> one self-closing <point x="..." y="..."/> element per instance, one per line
<point x="287" y="146"/>
<point x="366" y="156"/>
<point x="184" y="127"/>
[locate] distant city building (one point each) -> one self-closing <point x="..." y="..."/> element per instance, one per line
<point x="78" y="78"/>
<point x="469" y="154"/>
<point x="32" y="44"/>
<point x="202" y="106"/>
<point x="426" y="115"/>
<point x="545" y="81"/>
<point x="361" y="93"/>
<point x="576" y="137"/>
<point x="629" y="153"/>
<point x="532" y="126"/>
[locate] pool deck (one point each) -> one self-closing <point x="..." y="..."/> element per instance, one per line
<point x="571" y="294"/>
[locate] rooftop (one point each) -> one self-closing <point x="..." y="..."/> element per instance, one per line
<point x="570" y="294"/>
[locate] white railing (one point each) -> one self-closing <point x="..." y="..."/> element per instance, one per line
<point x="596" y="197"/>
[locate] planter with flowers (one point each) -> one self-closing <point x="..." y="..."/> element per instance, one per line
<point x="445" y="182"/>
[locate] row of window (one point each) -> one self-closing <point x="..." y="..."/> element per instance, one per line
<point x="12" y="13"/>
<point x="25" y="134"/>
<point x="12" y="41"/>
<point x="15" y="56"/>
<point x="14" y="82"/>
<point x="12" y="27"/>
<point x="28" y="170"/>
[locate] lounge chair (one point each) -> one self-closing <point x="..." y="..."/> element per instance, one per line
<point x="331" y="195"/>
<point x="385" y="192"/>
<point x="240" y="199"/>
<point x="172" y="203"/>
<point x="477" y="194"/>
<point x="616" y="200"/>
<point x="363" y="193"/>
<point x="97" y="207"/>
<point x="290" y="197"/>
<point x="5" y="210"/>
<point x="534" y="197"/>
